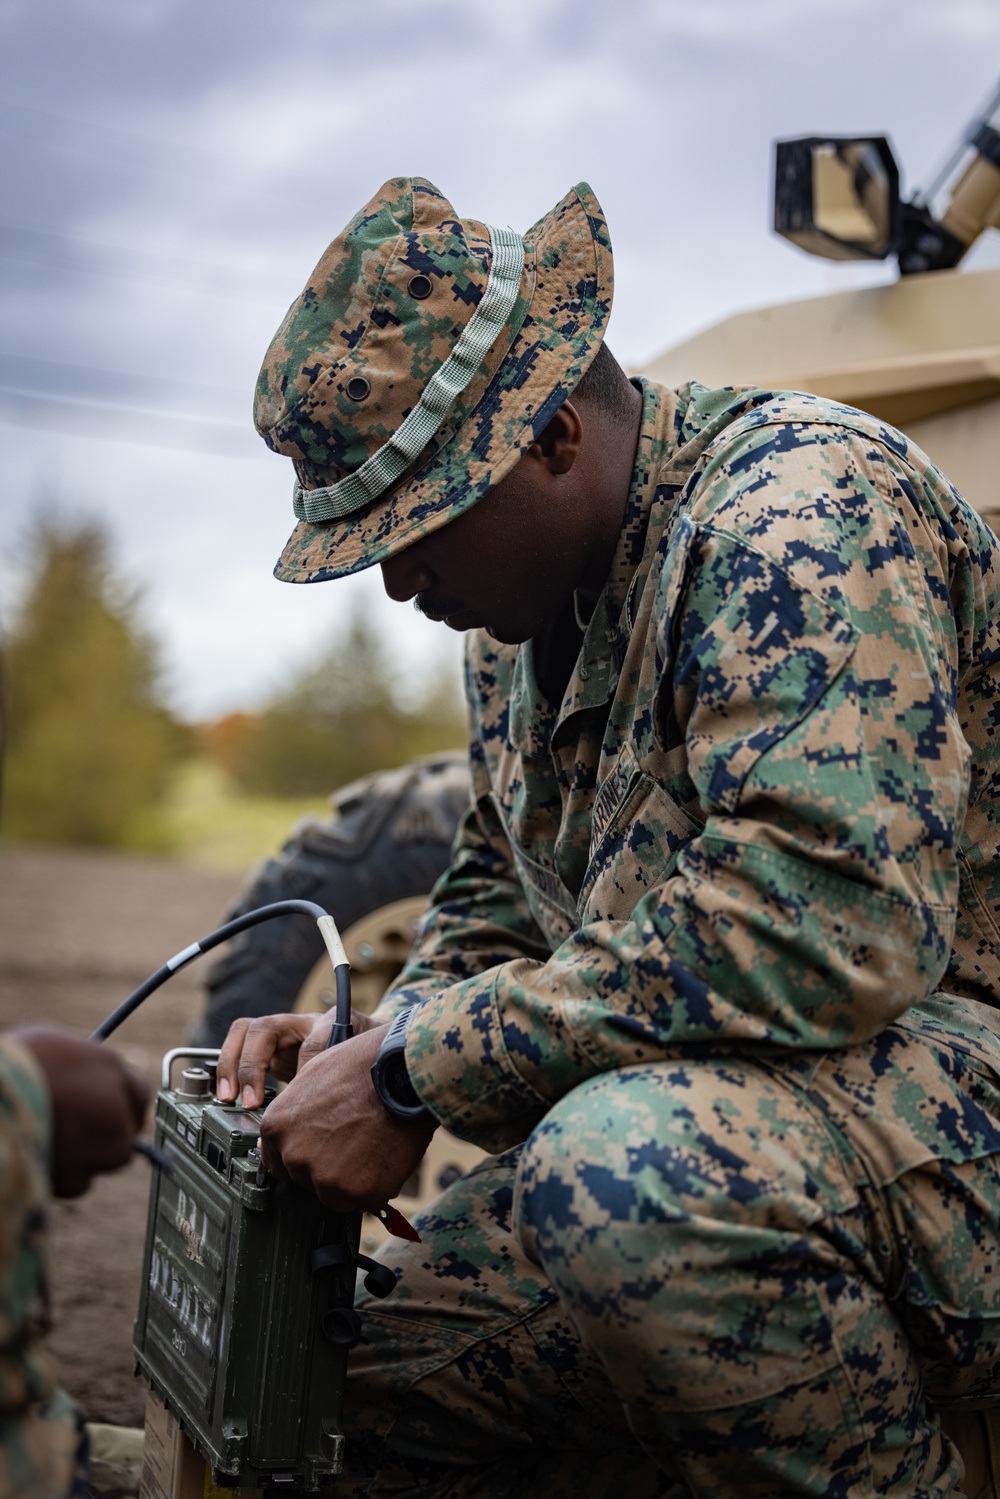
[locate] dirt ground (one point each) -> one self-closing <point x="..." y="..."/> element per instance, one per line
<point x="78" y="931"/>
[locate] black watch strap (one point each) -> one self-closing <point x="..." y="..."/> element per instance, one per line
<point x="389" y="1075"/>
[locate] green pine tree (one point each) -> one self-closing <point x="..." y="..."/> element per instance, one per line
<point x="341" y="719"/>
<point x="90" y="745"/>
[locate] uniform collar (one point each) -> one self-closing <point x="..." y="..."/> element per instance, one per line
<point x="595" y="675"/>
<point x="675" y="429"/>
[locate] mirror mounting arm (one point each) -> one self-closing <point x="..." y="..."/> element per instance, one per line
<point x="924" y="244"/>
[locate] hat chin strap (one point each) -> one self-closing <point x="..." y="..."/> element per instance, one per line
<point x="441" y="392"/>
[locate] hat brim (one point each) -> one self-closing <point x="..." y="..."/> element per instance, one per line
<point x="562" y="330"/>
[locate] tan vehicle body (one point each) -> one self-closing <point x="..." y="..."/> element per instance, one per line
<point x="923" y="353"/>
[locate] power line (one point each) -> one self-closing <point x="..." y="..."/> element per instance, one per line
<point x="114" y="422"/>
<point x="160" y="258"/>
<point x="21" y="244"/>
<point x="21" y="365"/>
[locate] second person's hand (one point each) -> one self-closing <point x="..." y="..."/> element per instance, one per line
<point x="98" y="1104"/>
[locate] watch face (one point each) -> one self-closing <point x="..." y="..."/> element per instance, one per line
<point x="396" y="1081"/>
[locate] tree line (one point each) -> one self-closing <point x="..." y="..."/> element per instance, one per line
<point x="92" y="745"/>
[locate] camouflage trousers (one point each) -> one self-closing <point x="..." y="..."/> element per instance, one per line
<point x="708" y="1277"/>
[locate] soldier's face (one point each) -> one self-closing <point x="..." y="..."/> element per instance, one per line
<point x="512" y="562"/>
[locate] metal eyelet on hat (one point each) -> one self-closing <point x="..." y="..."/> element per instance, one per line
<point x="419" y="287"/>
<point x="358" y="388"/>
<point x="435" y="408"/>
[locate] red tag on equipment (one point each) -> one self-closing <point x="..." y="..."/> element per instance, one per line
<point x="396" y="1224"/>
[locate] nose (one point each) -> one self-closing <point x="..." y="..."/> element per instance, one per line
<point x="406" y="575"/>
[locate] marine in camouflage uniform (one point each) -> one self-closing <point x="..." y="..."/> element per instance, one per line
<point x="715" y="968"/>
<point x="43" y="1445"/>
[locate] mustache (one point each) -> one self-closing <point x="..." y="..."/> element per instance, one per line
<point x="436" y="608"/>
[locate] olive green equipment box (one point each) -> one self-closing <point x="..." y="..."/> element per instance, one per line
<point x="246" y="1310"/>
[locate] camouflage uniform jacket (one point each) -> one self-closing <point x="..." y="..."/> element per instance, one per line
<point x="765" y="815"/>
<point x="42" y="1442"/>
<point x="25" y="1125"/>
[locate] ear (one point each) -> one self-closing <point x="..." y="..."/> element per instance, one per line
<point x="558" y="445"/>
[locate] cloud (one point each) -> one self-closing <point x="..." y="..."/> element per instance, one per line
<point x="239" y="135"/>
<point x="728" y="22"/>
<point x="959" y="20"/>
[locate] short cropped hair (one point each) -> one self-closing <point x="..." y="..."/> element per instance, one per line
<point x="605" y="384"/>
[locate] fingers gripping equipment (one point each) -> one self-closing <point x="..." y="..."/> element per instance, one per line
<point x="246" y="1312"/>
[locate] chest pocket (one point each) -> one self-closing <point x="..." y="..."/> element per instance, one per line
<point x="549" y="902"/>
<point x="639" y="830"/>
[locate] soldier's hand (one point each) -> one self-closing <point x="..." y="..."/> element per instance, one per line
<point x="280" y="1044"/>
<point x="329" y="1132"/>
<point x="98" y="1105"/>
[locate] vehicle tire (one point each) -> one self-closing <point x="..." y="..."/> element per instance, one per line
<point x="371" y="865"/>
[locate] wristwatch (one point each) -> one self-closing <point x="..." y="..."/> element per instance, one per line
<point x="389" y="1075"/>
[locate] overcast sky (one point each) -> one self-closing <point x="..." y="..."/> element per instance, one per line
<point x="173" y="169"/>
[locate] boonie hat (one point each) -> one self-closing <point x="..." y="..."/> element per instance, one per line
<point x="426" y="353"/>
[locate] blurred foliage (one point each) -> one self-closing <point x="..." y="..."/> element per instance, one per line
<point x="94" y="757"/>
<point x="214" y="825"/>
<point x="90" y="746"/>
<point x="339" y="719"/>
<point x="225" y="740"/>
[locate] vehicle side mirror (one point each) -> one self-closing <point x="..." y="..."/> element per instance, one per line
<point x="838" y="196"/>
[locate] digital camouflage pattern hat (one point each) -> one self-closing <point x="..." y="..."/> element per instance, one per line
<point x="424" y="355"/>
